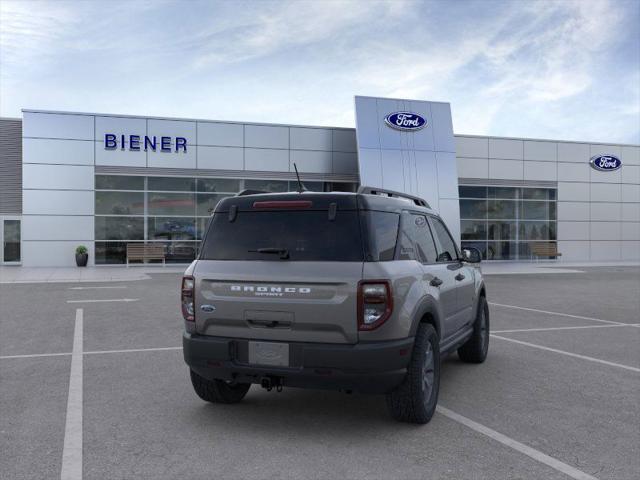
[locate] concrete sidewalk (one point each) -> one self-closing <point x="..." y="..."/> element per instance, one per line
<point x="11" y="274"/>
<point x="549" y="266"/>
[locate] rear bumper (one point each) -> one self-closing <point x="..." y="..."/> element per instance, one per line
<point x="375" y="367"/>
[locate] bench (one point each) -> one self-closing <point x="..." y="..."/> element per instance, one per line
<point x="545" y="249"/>
<point x="143" y="252"/>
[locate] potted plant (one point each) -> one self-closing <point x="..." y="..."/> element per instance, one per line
<point x="82" y="256"/>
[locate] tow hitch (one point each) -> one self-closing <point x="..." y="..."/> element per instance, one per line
<point x="269" y="383"/>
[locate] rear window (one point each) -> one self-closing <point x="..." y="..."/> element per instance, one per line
<point x="305" y="236"/>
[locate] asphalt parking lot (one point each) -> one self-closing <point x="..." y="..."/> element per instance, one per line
<point x="558" y="397"/>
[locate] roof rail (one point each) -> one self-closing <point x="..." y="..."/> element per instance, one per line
<point x="250" y="192"/>
<point x="393" y="194"/>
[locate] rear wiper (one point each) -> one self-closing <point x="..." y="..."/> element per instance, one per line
<point x="283" y="252"/>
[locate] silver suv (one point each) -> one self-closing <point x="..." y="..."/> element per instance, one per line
<point x="350" y="291"/>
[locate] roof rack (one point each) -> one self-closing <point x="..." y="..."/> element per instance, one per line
<point x="250" y="192"/>
<point x="390" y="193"/>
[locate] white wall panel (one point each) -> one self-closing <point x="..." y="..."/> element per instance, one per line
<point x="447" y="175"/>
<point x="574" y="172"/>
<point x="605" y="177"/>
<point x="573" y="230"/>
<point x="392" y="174"/>
<point x="506" y="169"/>
<point x="266" y="159"/>
<point x="427" y="179"/>
<point x="442" y="127"/>
<point x="596" y="149"/>
<point x="52" y="125"/>
<point x="345" y="163"/>
<point x="371" y="167"/>
<point x="506" y="149"/>
<point x="53" y="253"/>
<point x="605" y="230"/>
<point x="573" y="211"/>
<point x="606" y="211"/>
<point x="602" y="251"/>
<point x="573" y="152"/>
<point x="605" y="192"/>
<point x="310" y="138"/>
<point x="367" y="123"/>
<point x="311" y="161"/>
<point x="630" y="230"/>
<point x="546" y="151"/>
<point x="50" y="227"/>
<point x="472" y="147"/>
<point x="574" y="251"/>
<point x="570" y="191"/>
<point x="631" y="212"/>
<point x="473" y="167"/>
<point x="261" y="136"/>
<point x="173" y="159"/>
<point x="54" y="177"/>
<point x="173" y="128"/>
<point x="344" y="141"/>
<point x="630" y="193"/>
<point x="120" y="157"/>
<point x="630" y="250"/>
<point x="390" y="138"/>
<point x="70" y="152"/>
<point x="220" y="134"/>
<point x="57" y="202"/>
<point x="630" y="155"/>
<point x="220" y="158"/>
<point x="540" y="171"/>
<point x="630" y="174"/>
<point x="120" y="126"/>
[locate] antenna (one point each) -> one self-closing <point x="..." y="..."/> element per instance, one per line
<point x="301" y="187"/>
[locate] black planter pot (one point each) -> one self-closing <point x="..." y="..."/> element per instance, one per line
<point x="82" y="259"/>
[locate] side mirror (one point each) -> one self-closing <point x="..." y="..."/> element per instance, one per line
<point x="471" y="255"/>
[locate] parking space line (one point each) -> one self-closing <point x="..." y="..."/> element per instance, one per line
<point x="35" y="355"/>
<point x="556" y="313"/>
<point x="548" y="329"/>
<point x="158" y="349"/>
<point x="569" y="354"/>
<point x="105" y="300"/>
<point x="95" y="288"/>
<point x="72" y="449"/>
<point x="515" y="445"/>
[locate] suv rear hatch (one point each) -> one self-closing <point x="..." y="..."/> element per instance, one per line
<point x="281" y="267"/>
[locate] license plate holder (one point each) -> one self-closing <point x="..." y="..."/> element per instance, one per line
<point x="269" y="353"/>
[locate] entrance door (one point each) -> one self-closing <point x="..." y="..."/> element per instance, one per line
<point x="10" y="233"/>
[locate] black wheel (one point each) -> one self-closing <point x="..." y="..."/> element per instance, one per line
<point x="476" y="348"/>
<point x="414" y="401"/>
<point x="218" y="391"/>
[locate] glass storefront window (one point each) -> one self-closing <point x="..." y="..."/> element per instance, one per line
<point x="177" y="184"/>
<point x="503" y="222"/>
<point x="207" y="203"/>
<point x="119" y="182"/>
<point x="267" y="185"/>
<point x="119" y="228"/>
<point x="171" y="204"/>
<point x="229" y="185"/>
<point x="168" y="228"/>
<point x="119" y="203"/>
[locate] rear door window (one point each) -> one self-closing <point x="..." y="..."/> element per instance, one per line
<point x="447" y="251"/>
<point x="305" y="235"/>
<point x="416" y="242"/>
<point x="381" y="232"/>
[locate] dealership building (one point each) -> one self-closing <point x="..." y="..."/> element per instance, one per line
<point x="110" y="181"/>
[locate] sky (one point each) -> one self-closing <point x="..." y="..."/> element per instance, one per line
<point x="541" y="69"/>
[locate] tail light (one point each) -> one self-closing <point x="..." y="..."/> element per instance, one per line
<point x="187" y="298"/>
<point x="375" y="303"/>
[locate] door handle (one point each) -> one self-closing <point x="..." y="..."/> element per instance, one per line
<point x="459" y="277"/>
<point x="436" y="282"/>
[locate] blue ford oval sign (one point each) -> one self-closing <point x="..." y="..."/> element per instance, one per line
<point x="605" y="163"/>
<point x="405" y="121"/>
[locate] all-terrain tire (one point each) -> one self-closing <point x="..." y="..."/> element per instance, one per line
<point x="413" y="401"/>
<point x="475" y="349"/>
<point x="218" y="391"/>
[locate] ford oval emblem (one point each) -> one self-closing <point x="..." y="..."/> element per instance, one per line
<point x="605" y="163"/>
<point x="405" y="121"/>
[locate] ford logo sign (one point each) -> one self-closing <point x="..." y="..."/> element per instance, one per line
<point x="405" y="121"/>
<point x="605" y="163"/>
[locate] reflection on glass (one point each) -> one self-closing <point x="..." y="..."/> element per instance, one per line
<point x="501" y="230"/>
<point x="501" y="250"/>
<point x="167" y="228"/>
<point x="503" y="209"/>
<point x="179" y="184"/>
<point x="267" y="185"/>
<point x="171" y="203"/>
<point x="473" y="209"/>
<point x="119" y="228"/>
<point x="207" y="203"/>
<point x="472" y="192"/>
<point x="229" y="185"/>
<point x="119" y="182"/>
<point x="502" y="192"/>
<point x="473" y="230"/>
<point x="120" y="203"/>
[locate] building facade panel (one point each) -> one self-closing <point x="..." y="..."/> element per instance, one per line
<point x="473" y="167"/>
<point x="311" y="139"/>
<point x="57" y="202"/>
<point x="57" y="227"/>
<point x="55" y="125"/>
<point x="605" y="250"/>
<point x="474" y="147"/>
<point x="68" y="152"/>
<point x="574" y="211"/>
<point x="119" y="126"/>
<point x="606" y="212"/>
<point x="630" y="154"/>
<point x="309" y="161"/>
<point x="539" y="150"/>
<point x="266" y="159"/>
<point x="218" y="134"/>
<point x="573" y="191"/>
<point x="540" y="171"/>
<point x="262" y="136"/>
<point x="220" y="158"/>
<point x="573" y="172"/>
<point x="52" y="253"/>
<point x="57" y="177"/>
<point x="506" y="169"/>
<point x="344" y="140"/>
<point x="573" y="230"/>
<point x="120" y="157"/>
<point x="573" y="152"/>
<point x="344" y="162"/>
<point x="507" y="149"/>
